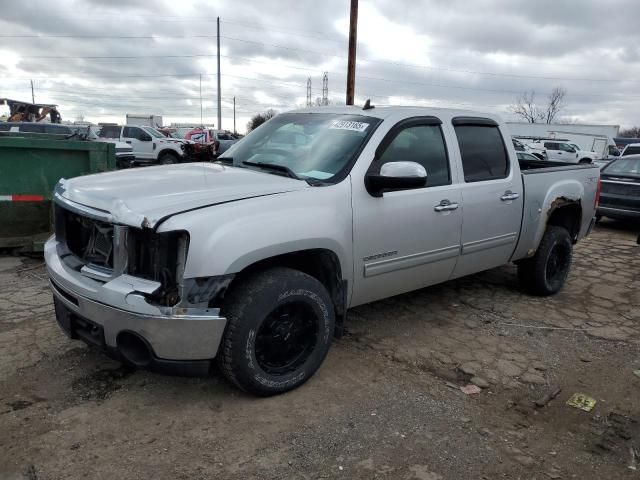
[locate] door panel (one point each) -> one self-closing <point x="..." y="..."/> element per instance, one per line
<point x="401" y="243"/>
<point x="407" y="239"/>
<point x="141" y="149"/>
<point x="492" y="197"/>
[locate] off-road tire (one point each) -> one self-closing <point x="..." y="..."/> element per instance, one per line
<point x="167" y="158"/>
<point x="248" y="305"/>
<point x="533" y="272"/>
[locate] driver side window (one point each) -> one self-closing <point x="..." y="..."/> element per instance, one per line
<point x="423" y="144"/>
<point x="133" y="132"/>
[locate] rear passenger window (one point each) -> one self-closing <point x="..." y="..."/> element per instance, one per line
<point x="422" y="144"/>
<point x="484" y="156"/>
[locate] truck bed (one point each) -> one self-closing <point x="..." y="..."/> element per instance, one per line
<point x="547" y="185"/>
<point x="540" y="166"/>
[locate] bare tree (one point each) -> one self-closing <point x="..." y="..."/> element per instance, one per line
<point x="526" y="108"/>
<point x="555" y="104"/>
<point x="260" y="118"/>
<point x="633" y="132"/>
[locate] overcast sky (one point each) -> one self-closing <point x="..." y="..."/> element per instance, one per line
<point x="478" y="54"/>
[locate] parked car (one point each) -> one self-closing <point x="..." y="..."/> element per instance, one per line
<point x="521" y="147"/>
<point x="528" y="157"/>
<point x="224" y="140"/>
<point x="124" y="152"/>
<point x="203" y="145"/>
<point x="149" y="145"/>
<point x="631" y="149"/>
<point x="567" y="153"/>
<point x="620" y="196"/>
<point x="255" y="259"/>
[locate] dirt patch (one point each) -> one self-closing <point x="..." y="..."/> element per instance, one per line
<point x="386" y="404"/>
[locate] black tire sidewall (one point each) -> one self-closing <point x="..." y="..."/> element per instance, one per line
<point x="167" y="159"/>
<point x="273" y="290"/>
<point x="556" y="236"/>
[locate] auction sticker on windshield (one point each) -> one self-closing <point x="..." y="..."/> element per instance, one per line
<point x="347" y="125"/>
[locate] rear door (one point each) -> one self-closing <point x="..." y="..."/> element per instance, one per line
<point x="492" y="196"/>
<point x="407" y="239"/>
<point x="140" y="141"/>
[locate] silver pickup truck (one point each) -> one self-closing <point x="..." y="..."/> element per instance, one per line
<point x="254" y="260"/>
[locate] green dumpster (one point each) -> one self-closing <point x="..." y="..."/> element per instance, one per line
<point x="30" y="167"/>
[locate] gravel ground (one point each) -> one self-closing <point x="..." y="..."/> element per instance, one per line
<point x="386" y="403"/>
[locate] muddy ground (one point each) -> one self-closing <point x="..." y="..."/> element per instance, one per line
<point x="386" y="403"/>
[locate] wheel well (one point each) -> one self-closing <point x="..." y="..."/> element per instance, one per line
<point x="585" y="160"/>
<point x="322" y="264"/>
<point x="567" y="215"/>
<point x="169" y="151"/>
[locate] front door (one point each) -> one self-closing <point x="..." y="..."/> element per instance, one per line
<point x="141" y="142"/>
<point x="407" y="239"/>
<point x="492" y="196"/>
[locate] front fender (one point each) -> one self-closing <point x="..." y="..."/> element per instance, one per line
<point x="225" y="239"/>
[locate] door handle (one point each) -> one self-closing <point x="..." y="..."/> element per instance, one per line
<point x="445" y="206"/>
<point x="509" y="195"/>
<point x="128" y="141"/>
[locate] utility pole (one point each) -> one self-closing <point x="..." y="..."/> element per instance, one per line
<point x="325" y="89"/>
<point x="219" y="89"/>
<point x="33" y="97"/>
<point x="201" y="123"/>
<point x="309" y="92"/>
<point x="234" y="114"/>
<point x="351" y="68"/>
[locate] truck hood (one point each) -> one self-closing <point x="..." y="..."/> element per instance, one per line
<point x="143" y="197"/>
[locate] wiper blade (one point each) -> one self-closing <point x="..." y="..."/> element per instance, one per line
<point x="275" y="167"/>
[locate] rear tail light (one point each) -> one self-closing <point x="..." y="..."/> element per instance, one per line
<point x="597" y="200"/>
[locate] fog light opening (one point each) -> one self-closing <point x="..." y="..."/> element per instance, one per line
<point x="134" y="349"/>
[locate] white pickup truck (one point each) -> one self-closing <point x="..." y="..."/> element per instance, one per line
<point x="148" y="144"/>
<point x="254" y="260"/>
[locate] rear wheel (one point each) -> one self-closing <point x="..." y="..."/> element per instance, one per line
<point x="546" y="272"/>
<point x="280" y="324"/>
<point x="585" y="160"/>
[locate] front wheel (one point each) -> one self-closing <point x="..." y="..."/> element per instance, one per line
<point x="167" y="159"/>
<point x="546" y="272"/>
<point x="280" y="324"/>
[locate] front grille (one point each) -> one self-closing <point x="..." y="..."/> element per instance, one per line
<point x="89" y="240"/>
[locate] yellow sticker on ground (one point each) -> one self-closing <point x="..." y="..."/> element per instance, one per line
<point x="582" y="401"/>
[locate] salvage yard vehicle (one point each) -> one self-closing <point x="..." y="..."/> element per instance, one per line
<point x="254" y="260"/>
<point x="149" y="145"/>
<point x="621" y="189"/>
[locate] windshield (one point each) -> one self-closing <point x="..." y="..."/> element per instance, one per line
<point x="626" y="166"/>
<point x="312" y="145"/>
<point x="153" y="132"/>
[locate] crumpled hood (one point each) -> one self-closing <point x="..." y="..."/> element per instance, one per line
<point x="142" y="197"/>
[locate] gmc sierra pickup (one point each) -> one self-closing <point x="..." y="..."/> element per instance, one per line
<point x="255" y="259"/>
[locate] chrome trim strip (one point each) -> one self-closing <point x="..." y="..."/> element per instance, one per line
<point x="620" y="182"/>
<point x="410" y="261"/>
<point x="487" y="243"/>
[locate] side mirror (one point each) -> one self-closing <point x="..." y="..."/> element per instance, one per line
<point x="145" y="137"/>
<point x="396" y="176"/>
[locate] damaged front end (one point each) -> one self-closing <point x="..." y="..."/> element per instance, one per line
<point x="104" y="251"/>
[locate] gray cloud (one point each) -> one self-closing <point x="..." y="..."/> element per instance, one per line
<point x="479" y="55"/>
